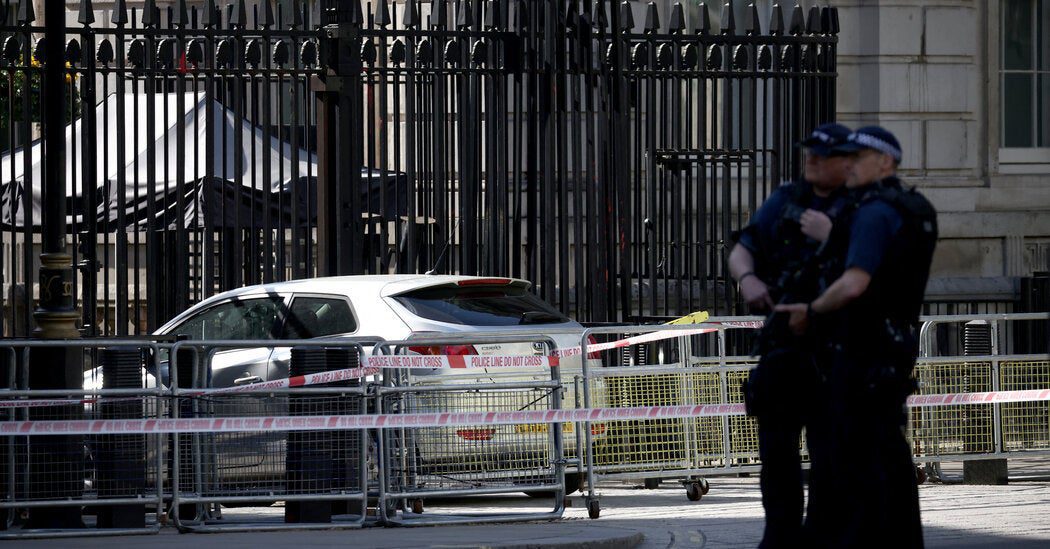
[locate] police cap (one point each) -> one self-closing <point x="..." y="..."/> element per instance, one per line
<point x="824" y="139"/>
<point x="872" y="137"/>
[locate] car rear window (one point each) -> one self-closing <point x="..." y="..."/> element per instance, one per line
<point x="481" y="306"/>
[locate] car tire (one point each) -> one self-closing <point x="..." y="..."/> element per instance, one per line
<point x="572" y="485"/>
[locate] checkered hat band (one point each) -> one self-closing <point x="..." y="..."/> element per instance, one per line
<point x="823" y="137"/>
<point x="875" y="143"/>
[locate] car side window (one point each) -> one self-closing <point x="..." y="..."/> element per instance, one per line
<point x="237" y="319"/>
<point x="312" y="316"/>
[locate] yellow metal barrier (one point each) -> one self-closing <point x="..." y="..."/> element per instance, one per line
<point x="699" y="443"/>
<point x="673" y="444"/>
<point x="743" y="430"/>
<point x="645" y="445"/>
<point x="707" y="431"/>
<point x="1025" y="425"/>
<point x="954" y="429"/>
<point x="684" y="371"/>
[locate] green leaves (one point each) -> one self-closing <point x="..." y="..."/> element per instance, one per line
<point x="17" y="83"/>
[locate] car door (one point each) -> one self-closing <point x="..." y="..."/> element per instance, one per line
<point x="310" y="316"/>
<point x="234" y="456"/>
<point x="240" y="318"/>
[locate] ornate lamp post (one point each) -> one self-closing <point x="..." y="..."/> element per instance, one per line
<point x="56" y="462"/>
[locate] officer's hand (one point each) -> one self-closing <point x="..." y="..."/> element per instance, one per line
<point x="816" y="225"/>
<point x="755" y="293"/>
<point x="798" y="320"/>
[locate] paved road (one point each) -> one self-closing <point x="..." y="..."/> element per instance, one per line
<point x="1017" y="515"/>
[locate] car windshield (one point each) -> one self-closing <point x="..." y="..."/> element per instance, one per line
<point x="481" y="306"/>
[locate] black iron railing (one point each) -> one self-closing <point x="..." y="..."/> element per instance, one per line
<point x="604" y="150"/>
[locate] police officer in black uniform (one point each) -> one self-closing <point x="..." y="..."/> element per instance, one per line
<point x="769" y="261"/>
<point x="886" y="262"/>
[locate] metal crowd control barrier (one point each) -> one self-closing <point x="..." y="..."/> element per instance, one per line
<point x="317" y="474"/>
<point x="694" y="369"/>
<point x="132" y="481"/>
<point x="116" y="478"/>
<point x="993" y="359"/>
<point x="440" y="462"/>
<point x="675" y="370"/>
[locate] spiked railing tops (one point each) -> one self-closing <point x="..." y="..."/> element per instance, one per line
<point x="675" y="18"/>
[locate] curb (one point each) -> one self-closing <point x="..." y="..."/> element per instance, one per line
<point x="619" y="542"/>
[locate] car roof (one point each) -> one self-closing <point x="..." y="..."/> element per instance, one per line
<point x="360" y="288"/>
<point x="378" y="285"/>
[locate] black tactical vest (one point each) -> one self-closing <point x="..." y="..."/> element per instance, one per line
<point x="793" y="261"/>
<point x="895" y="294"/>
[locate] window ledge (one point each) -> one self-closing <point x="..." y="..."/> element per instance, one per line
<point x="1027" y="160"/>
<point x="1028" y="155"/>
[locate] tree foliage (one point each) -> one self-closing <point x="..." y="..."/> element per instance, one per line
<point x="18" y="83"/>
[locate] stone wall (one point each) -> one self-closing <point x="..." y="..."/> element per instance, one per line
<point x="928" y="71"/>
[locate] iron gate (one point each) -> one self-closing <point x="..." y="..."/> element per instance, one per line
<point x="604" y="150"/>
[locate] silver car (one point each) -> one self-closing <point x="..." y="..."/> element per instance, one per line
<point x="390" y="308"/>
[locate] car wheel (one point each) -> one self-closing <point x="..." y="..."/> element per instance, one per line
<point x="572" y="485"/>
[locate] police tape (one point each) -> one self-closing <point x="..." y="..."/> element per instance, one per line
<point x="44" y="403"/>
<point x="990" y="397"/>
<point x="339" y="422"/>
<point x="755" y="324"/>
<point x="448" y="419"/>
<point x="372" y="365"/>
<point x="703" y="328"/>
<point x="453" y="362"/>
<point x="639" y="339"/>
<point x="332" y="376"/>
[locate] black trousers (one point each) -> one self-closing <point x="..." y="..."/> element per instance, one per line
<point x="787" y="383"/>
<point x="781" y="481"/>
<point x="864" y="491"/>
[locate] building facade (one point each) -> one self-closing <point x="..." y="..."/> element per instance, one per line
<point x="966" y="87"/>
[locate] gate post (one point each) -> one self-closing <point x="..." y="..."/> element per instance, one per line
<point x="339" y="139"/>
<point x="614" y="216"/>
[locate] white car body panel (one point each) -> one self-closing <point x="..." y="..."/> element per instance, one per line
<point x="379" y="315"/>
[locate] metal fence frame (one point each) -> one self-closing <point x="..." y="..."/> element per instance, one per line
<point x="400" y="382"/>
<point x="485" y="139"/>
<point x="198" y="363"/>
<point x="18" y="390"/>
<point x="723" y="365"/>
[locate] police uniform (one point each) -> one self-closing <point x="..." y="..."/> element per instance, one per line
<point x="892" y="233"/>
<point x="785" y="382"/>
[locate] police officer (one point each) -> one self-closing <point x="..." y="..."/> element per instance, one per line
<point x="784" y="235"/>
<point x="886" y="263"/>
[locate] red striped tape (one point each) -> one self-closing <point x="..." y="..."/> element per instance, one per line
<point x="460" y="361"/>
<point x="636" y="340"/>
<point x="449" y="419"/>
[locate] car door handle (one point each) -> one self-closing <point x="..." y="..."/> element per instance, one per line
<point x="246" y="380"/>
